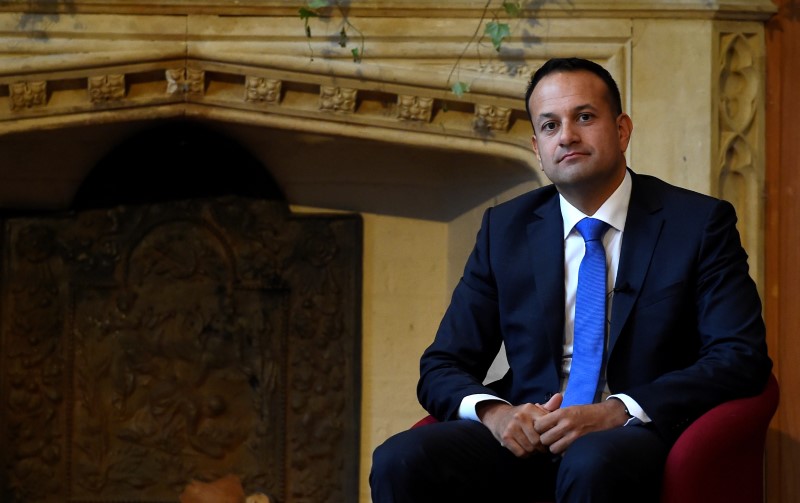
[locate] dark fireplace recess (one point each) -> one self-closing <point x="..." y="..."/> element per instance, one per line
<point x="178" y="324"/>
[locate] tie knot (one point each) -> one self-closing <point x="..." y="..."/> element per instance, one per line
<point x="591" y="229"/>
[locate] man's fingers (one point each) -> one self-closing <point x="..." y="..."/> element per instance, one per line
<point x="549" y="437"/>
<point x="513" y="426"/>
<point x="516" y="437"/>
<point x="544" y="423"/>
<point x="554" y="402"/>
<point x="519" y="436"/>
<point x="559" y="445"/>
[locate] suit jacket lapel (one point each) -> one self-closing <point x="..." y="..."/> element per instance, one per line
<point x="642" y="229"/>
<point x="546" y="241"/>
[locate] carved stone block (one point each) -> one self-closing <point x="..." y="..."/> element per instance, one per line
<point x="490" y="117"/>
<point x="260" y="89"/>
<point x="103" y="88"/>
<point x="414" y="108"/>
<point x="185" y="81"/>
<point x="28" y="94"/>
<point x="337" y="99"/>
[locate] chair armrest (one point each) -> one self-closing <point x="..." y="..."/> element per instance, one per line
<point x="425" y="420"/>
<point x="720" y="456"/>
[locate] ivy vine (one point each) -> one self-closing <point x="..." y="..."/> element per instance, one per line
<point x="491" y="20"/>
<point x="495" y="29"/>
<point x="321" y="9"/>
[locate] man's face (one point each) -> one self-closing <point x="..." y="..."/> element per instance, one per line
<point x="578" y="139"/>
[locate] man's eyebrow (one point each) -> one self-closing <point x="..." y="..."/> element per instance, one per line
<point x="546" y="115"/>
<point x="585" y="106"/>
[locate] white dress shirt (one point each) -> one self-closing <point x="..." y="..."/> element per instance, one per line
<point x="614" y="212"/>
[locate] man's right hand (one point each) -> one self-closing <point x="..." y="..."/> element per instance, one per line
<point x="512" y="426"/>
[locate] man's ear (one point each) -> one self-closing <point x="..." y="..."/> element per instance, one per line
<point x="535" y="148"/>
<point x="625" y="129"/>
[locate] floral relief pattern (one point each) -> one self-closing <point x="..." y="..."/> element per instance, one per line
<point x="337" y="99"/>
<point x="739" y="168"/>
<point x="492" y="118"/>
<point x="260" y="89"/>
<point x="414" y="108"/>
<point x="105" y="88"/>
<point x="28" y="94"/>
<point x="156" y="345"/>
<point x="185" y="81"/>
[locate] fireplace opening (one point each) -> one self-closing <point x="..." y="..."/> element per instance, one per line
<point x="174" y="160"/>
<point x="179" y="323"/>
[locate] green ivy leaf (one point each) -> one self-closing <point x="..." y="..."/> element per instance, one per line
<point x="356" y="55"/>
<point x="497" y="32"/>
<point x="318" y="4"/>
<point x="343" y="38"/>
<point x="513" y="9"/>
<point x="459" y="88"/>
<point x="305" y="14"/>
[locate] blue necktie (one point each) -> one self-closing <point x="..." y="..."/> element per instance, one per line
<point x="590" y="317"/>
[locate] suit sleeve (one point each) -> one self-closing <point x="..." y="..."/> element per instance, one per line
<point x="721" y="311"/>
<point x="468" y="338"/>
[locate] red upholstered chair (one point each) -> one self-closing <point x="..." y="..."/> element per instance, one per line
<point x="720" y="457"/>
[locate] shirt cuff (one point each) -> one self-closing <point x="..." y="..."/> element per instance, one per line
<point x="469" y="403"/>
<point x="633" y="407"/>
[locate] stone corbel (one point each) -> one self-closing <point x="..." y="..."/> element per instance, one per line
<point x="185" y="81"/>
<point x="414" y="108"/>
<point x="337" y="99"/>
<point x="28" y="94"/>
<point x="492" y="118"/>
<point x="104" y="88"/>
<point x="262" y="90"/>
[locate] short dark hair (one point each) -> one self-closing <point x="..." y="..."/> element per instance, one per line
<point x="573" y="65"/>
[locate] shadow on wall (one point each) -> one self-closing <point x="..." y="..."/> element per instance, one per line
<point x="172" y="161"/>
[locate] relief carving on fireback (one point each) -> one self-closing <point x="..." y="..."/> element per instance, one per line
<point x="144" y="347"/>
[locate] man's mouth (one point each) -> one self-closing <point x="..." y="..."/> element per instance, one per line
<point x="570" y="155"/>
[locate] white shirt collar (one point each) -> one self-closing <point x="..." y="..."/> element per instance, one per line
<point x="614" y="210"/>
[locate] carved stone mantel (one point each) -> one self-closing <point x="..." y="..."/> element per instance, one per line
<point x="164" y="58"/>
<point x="185" y="57"/>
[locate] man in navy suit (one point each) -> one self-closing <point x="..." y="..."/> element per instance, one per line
<point x="684" y="330"/>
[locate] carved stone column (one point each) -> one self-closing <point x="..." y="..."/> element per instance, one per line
<point x="738" y="175"/>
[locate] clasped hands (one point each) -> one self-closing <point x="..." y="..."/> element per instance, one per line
<point x="532" y="427"/>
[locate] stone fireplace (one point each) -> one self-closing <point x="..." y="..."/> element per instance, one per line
<point x="384" y="138"/>
<point x="179" y="324"/>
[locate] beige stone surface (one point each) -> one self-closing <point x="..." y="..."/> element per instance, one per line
<point x="672" y="101"/>
<point x="404" y="292"/>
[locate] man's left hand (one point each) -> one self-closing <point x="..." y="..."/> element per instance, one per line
<point x="558" y="429"/>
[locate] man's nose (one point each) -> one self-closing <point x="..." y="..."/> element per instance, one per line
<point x="569" y="133"/>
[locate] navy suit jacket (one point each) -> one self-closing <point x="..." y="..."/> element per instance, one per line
<point x="686" y="331"/>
